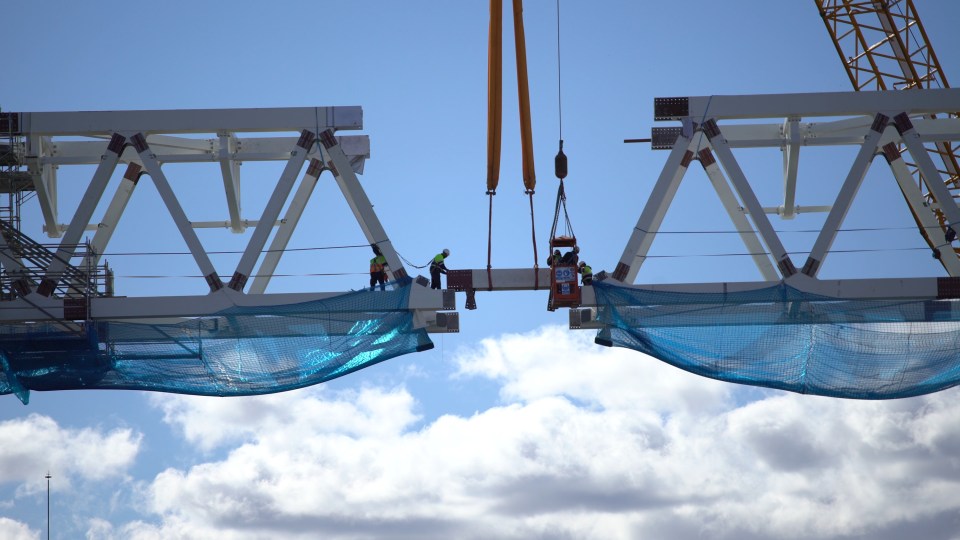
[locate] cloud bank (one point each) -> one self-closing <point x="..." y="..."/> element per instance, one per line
<point x="586" y="442"/>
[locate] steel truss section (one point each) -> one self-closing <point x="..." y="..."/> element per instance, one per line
<point x="876" y="122"/>
<point x="145" y="141"/>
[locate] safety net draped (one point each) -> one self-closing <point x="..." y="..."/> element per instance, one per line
<point x="780" y="337"/>
<point x="237" y="352"/>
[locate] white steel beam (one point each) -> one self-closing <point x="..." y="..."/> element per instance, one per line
<point x="289" y="223"/>
<point x="149" y="161"/>
<point x="272" y="210"/>
<point x="359" y="203"/>
<point x="81" y="217"/>
<point x="915" y="102"/>
<point x="39" y="308"/>
<point x="644" y="233"/>
<point x="748" y="198"/>
<point x="848" y="191"/>
<point x="740" y="222"/>
<point x="88" y="123"/>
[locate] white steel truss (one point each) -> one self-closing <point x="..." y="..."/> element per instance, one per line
<point x="879" y="123"/>
<point x="145" y="141"/>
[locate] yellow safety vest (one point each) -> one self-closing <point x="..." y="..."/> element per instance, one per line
<point x="377" y="264"/>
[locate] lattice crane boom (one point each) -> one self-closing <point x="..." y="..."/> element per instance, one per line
<point x="883" y="46"/>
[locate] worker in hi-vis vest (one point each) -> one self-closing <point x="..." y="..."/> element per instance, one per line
<point x="378" y="269"/>
<point x="587" y="273"/>
<point x="437" y="267"/>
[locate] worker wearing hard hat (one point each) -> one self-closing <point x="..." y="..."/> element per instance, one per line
<point x="555" y="258"/>
<point x="378" y="272"/>
<point x="587" y="273"/>
<point x="437" y="267"/>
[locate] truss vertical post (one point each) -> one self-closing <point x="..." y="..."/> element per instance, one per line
<point x="270" y="213"/>
<point x="653" y="213"/>
<point x="44" y="182"/>
<point x="290" y="220"/>
<point x="231" y="178"/>
<point x="150" y="162"/>
<point x="749" y="198"/>
<point x="740" y="221"/>
<point x="83" y="214"/>
<point x="356" y="197"/>
<point x="791" y="161"/>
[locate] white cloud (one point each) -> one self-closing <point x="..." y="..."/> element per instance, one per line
<point x="36" y="444"/>
<point x="14" y="530"/>
<point x="587" y="443"/>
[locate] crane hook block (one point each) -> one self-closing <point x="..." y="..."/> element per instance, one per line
<point x="560" y="163"/>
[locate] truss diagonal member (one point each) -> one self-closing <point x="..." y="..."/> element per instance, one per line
<point x="929" y="172"/>
<point x="289" y="223"/>
<point x="108" y="225"/>
<point x="749" y="198"/>
<point x="848" y="191"/>
<point x="270" y="213"/>
<point x="230" y="168"/>
<point x="81" y="217"/>
<point x="356" y="197"/>
<point x="922" y="213"/>
<point x="740" y="222"/>
<point x="644" y="233"/>
<point x="150" y="162"/>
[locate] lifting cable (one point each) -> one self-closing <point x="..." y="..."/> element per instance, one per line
<point x="560" y="161"/>
<point x="494" y="120"/>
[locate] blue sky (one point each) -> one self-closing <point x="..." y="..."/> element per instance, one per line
<point x="516" y="427"/>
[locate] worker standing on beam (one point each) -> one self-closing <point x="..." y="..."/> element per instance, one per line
<point x="378" y="269"/>
<point x="587" y="273"/>
<point x="437" y="267"/>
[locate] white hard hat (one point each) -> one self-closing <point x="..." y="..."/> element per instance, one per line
<point x="446" y="252"/>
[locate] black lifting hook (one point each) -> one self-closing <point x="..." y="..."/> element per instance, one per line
<point x="560" y="163"/>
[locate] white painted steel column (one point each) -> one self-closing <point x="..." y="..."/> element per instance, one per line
<point x="272" y="210"/>
<point x="848" y="191"/>
<point x="149" y="161"/>
<point x="356" y="197"/>
<point x="791" y="161"/>
<point x="749" y="198"/>
<point x="44" y="176"/>
<point x="740" y="222"/>
<point x="81" y="217"/>
<point x="289" y="223"/>
<point x="650" y="219"/>
<point x="231" y="178"/>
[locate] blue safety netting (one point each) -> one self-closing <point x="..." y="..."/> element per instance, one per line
<point x="237" y="352"/>
<point x="780" y="337"/>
